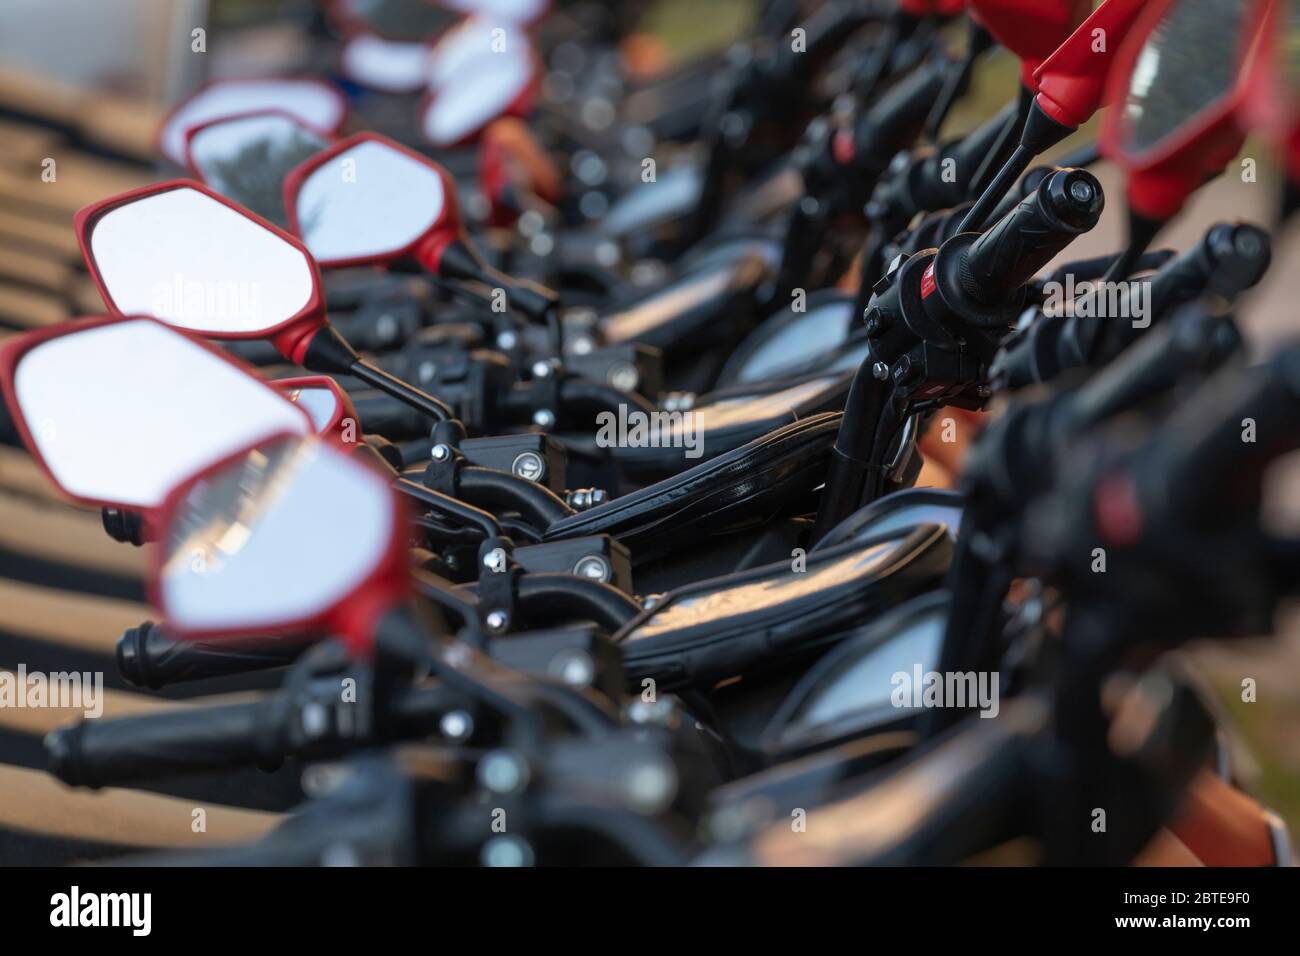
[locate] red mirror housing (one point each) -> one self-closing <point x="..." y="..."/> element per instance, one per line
<point x="446" y="228"/>
<point x="290" y="337"/>
<point x="352" y="615"/>
<point x="1031" y="29"/>
<point x="1071" y="83"/>
<point x="1160" y="180"/>
<point x="336" y="429"/>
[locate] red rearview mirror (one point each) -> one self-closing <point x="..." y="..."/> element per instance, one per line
<point x="1178" y="82"/>
<point x="1031" y="29"/>
<point x="287" y="535"/>
<point x="117" y="410"/>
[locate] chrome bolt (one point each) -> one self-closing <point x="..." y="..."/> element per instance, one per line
<point x="575" y="668"/>
<point x="440" y="452"/>
<point x="497" y="621"/>
<point x="456" y="725"/>
<point x="623" y="376"/>
<point x="1081" y="191"/>
<point x="880" y="370"/>
<point x="544" y="418"/>
<point x="314" y="720"/>
<point x="650" y="786"/>
<point x="580" y="499"/>
<point x="506" y="850"/>
<point x="650" y="712"/>
<point x="507" y="340"/>
<point x="502" y="771"/>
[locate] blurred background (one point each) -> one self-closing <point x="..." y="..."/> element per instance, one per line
<point x="85" y="82"/>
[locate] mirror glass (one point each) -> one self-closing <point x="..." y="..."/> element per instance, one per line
<point x="475" y="74"/>
<point x="198" y="264"/>
<point x="398" y="19"/>
<point x="391" y="66"/>
<point x="280" y="535"/>
<point x="246" y="158"/>
<point x="475" y="48"/>
<point x="317" y="105"/>
<point x="368" y="202"/>
<point x="1187" y="65"/>
<point x="123" y="412"/>
<point x="796" y="342"/>
<point x="859" y="676"/>
<point x="318" y="402"/>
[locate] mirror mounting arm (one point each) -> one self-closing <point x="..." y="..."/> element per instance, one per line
<point x="328" y="352"/>
<point x="455" y="258"/>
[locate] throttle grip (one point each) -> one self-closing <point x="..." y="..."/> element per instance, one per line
<point x="148" y="656"/>
<point x="96" y="753"/>
<point x="981" y="278"/>
<point x="1068" y="203"/>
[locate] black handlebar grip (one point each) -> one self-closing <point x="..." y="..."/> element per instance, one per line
<point x="96" y="753"/>
<point x="892" y="123"/>
<point x="148" y="656"/>
<point x="1230" y="258"/>
<point x="999" y="263"/>
<point x="940" y="179"/>
<point x="1204" y="462"/>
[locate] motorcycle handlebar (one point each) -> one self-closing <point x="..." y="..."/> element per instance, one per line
<point x="148" y="656"/>
<point x="1068" y="203"/>
<point x="98" y="753"/>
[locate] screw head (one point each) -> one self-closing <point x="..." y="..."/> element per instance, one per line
<point x="507" y="340"/>
<point x="1081" y="191"/>
<point x="544" y="417"/>
<point x="456" y="725"/>
<point x="497" y="621"/>
<point x="592" y="566"/>
<point x="502" y="771"/>
<point x="650" y="786"/>
<point x="880" y="370"/>
<point x="506" y="850"/>
<point x="314" y="720"/>
<point x="440" y="452"/>
<point x="623" y="376"/>
<point x="574" y="667"/>
<point x="541" y="369"/>
<point x="529" y="465"/>
<point x="1247" y="242"/>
